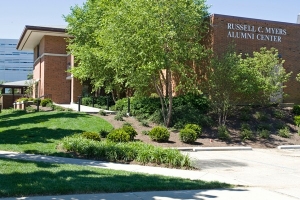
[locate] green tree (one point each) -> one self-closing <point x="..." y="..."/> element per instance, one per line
<point x="267" y="76"/>
<point x="141" y="45"/>
<point x="224" y="83"/>
<point x="237" y="79"/>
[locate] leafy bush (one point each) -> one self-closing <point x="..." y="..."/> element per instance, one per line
<point x="284" y="132"/>
<point x="156" y="117"/>
<point x="103" y="133"/>
<point x="119" y="117"/>
<point x="223" y="133"/>
<point x="127" y="124"/>
<point x="297" y="120"/>
<point x="186" y="109"/>
<point x="37" y="100"/>
<point x="194" y="127"/>
<point x="159" y="134"/>
<point x="46" y="101"/>
<point x="22" y="99"/>
<point x="279" y="114"/>
<point x="246" y="132"/>
<point x="102" y="113"/>
<point x="125" y="152"/>
<point x="100" y="101"/>
<point x="264" y="126"/>
<point x="264" y="134"/>
<point x="296" y="109"/>
<point x="87" y="101"/>
<point x="130" y="130"/>
<point x="118" y="135"/>
<point x="145" y="123"/>
<point x="91" y="136"/>
<point x="145" y="132"/>
<point x="186" y="114"/>
<point x="245" y="116"/>
<point x="279" y="125"/>
<point x="261" y="116"/>
<point x="188" y="135"/>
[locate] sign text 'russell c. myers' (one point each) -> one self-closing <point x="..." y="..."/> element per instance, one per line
<point x="244" y="31"/>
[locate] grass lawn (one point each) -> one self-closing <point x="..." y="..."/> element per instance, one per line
<point x="23" y="178"/>
<point x="40" y="132"/>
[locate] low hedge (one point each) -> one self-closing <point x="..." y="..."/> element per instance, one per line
<point x="126" y="152"/>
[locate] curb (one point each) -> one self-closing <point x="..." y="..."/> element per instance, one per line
<point x="214" y="148"/>
<point x="289" y="147"/>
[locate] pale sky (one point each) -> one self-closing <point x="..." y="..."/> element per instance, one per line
<point x="15" y="14"/>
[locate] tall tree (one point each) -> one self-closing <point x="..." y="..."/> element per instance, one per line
<point x="141" y="44"/>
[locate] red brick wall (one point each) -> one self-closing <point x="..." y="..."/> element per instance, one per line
<point x="51" y="69"/>
<point x="286" y="38"/>
<point x="55" y="44"/>
<point x="55" y="83"/>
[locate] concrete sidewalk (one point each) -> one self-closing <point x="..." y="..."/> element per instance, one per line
<point x="229" y="194"/>
<point x="233" y="194"/>
<point x="85" y="109"/>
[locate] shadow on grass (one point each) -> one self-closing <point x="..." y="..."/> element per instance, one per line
<point x="39" y="178"/>
<point x="34" y="135"/>
<point x="18" y="118"/>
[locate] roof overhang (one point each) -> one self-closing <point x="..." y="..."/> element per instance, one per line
<point x="32" y="35"/>
<point x="15" y="84"/>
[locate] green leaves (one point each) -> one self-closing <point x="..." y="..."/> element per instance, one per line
<point x="142" y="45"/>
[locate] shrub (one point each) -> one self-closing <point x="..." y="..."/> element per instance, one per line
<point x="261" y="116"/>
<point x="246" y="134"/>
<point x="126" y="124"/>
<point x="245" y="116"/>
<point x="296" y="109"/>
<point x="145" y="123"/>
<point x="279" y="125"/>
<point x="22" y="99"/>
<point x="103" y="133"/>
<point x="297" y="120"/>
<point x="264" y="126"/>
<point x="188" y="135"/>
<point x="37" y="100"/>
<point x="118" y="135"/>
<point x="124" y="152"/>
<point x="102" y="112"/>
<point x="159" y="134"/>
<point x="46" y="101"/>
<point x="145" y="132"/>
<point x="279" y="114"/>
<point x="264" y="134"/>
<point x="284" y="132"/>
<point x="223" y="133"/>
<point x="194" y="127"/>
<point x="91" y="136"/>
<point x="130" y="130"/>
<point x="119" y="117"/>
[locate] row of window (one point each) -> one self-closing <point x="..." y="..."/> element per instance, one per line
<point x="27" y="70"/>
<point x="9" y="44"/>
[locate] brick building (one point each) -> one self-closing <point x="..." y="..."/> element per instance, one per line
<point x="51" y="59"/>
<point x="251" y="34"/>
<point x="51" y="62"/>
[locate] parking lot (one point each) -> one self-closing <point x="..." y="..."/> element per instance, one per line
<point x="272" y="169"/>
